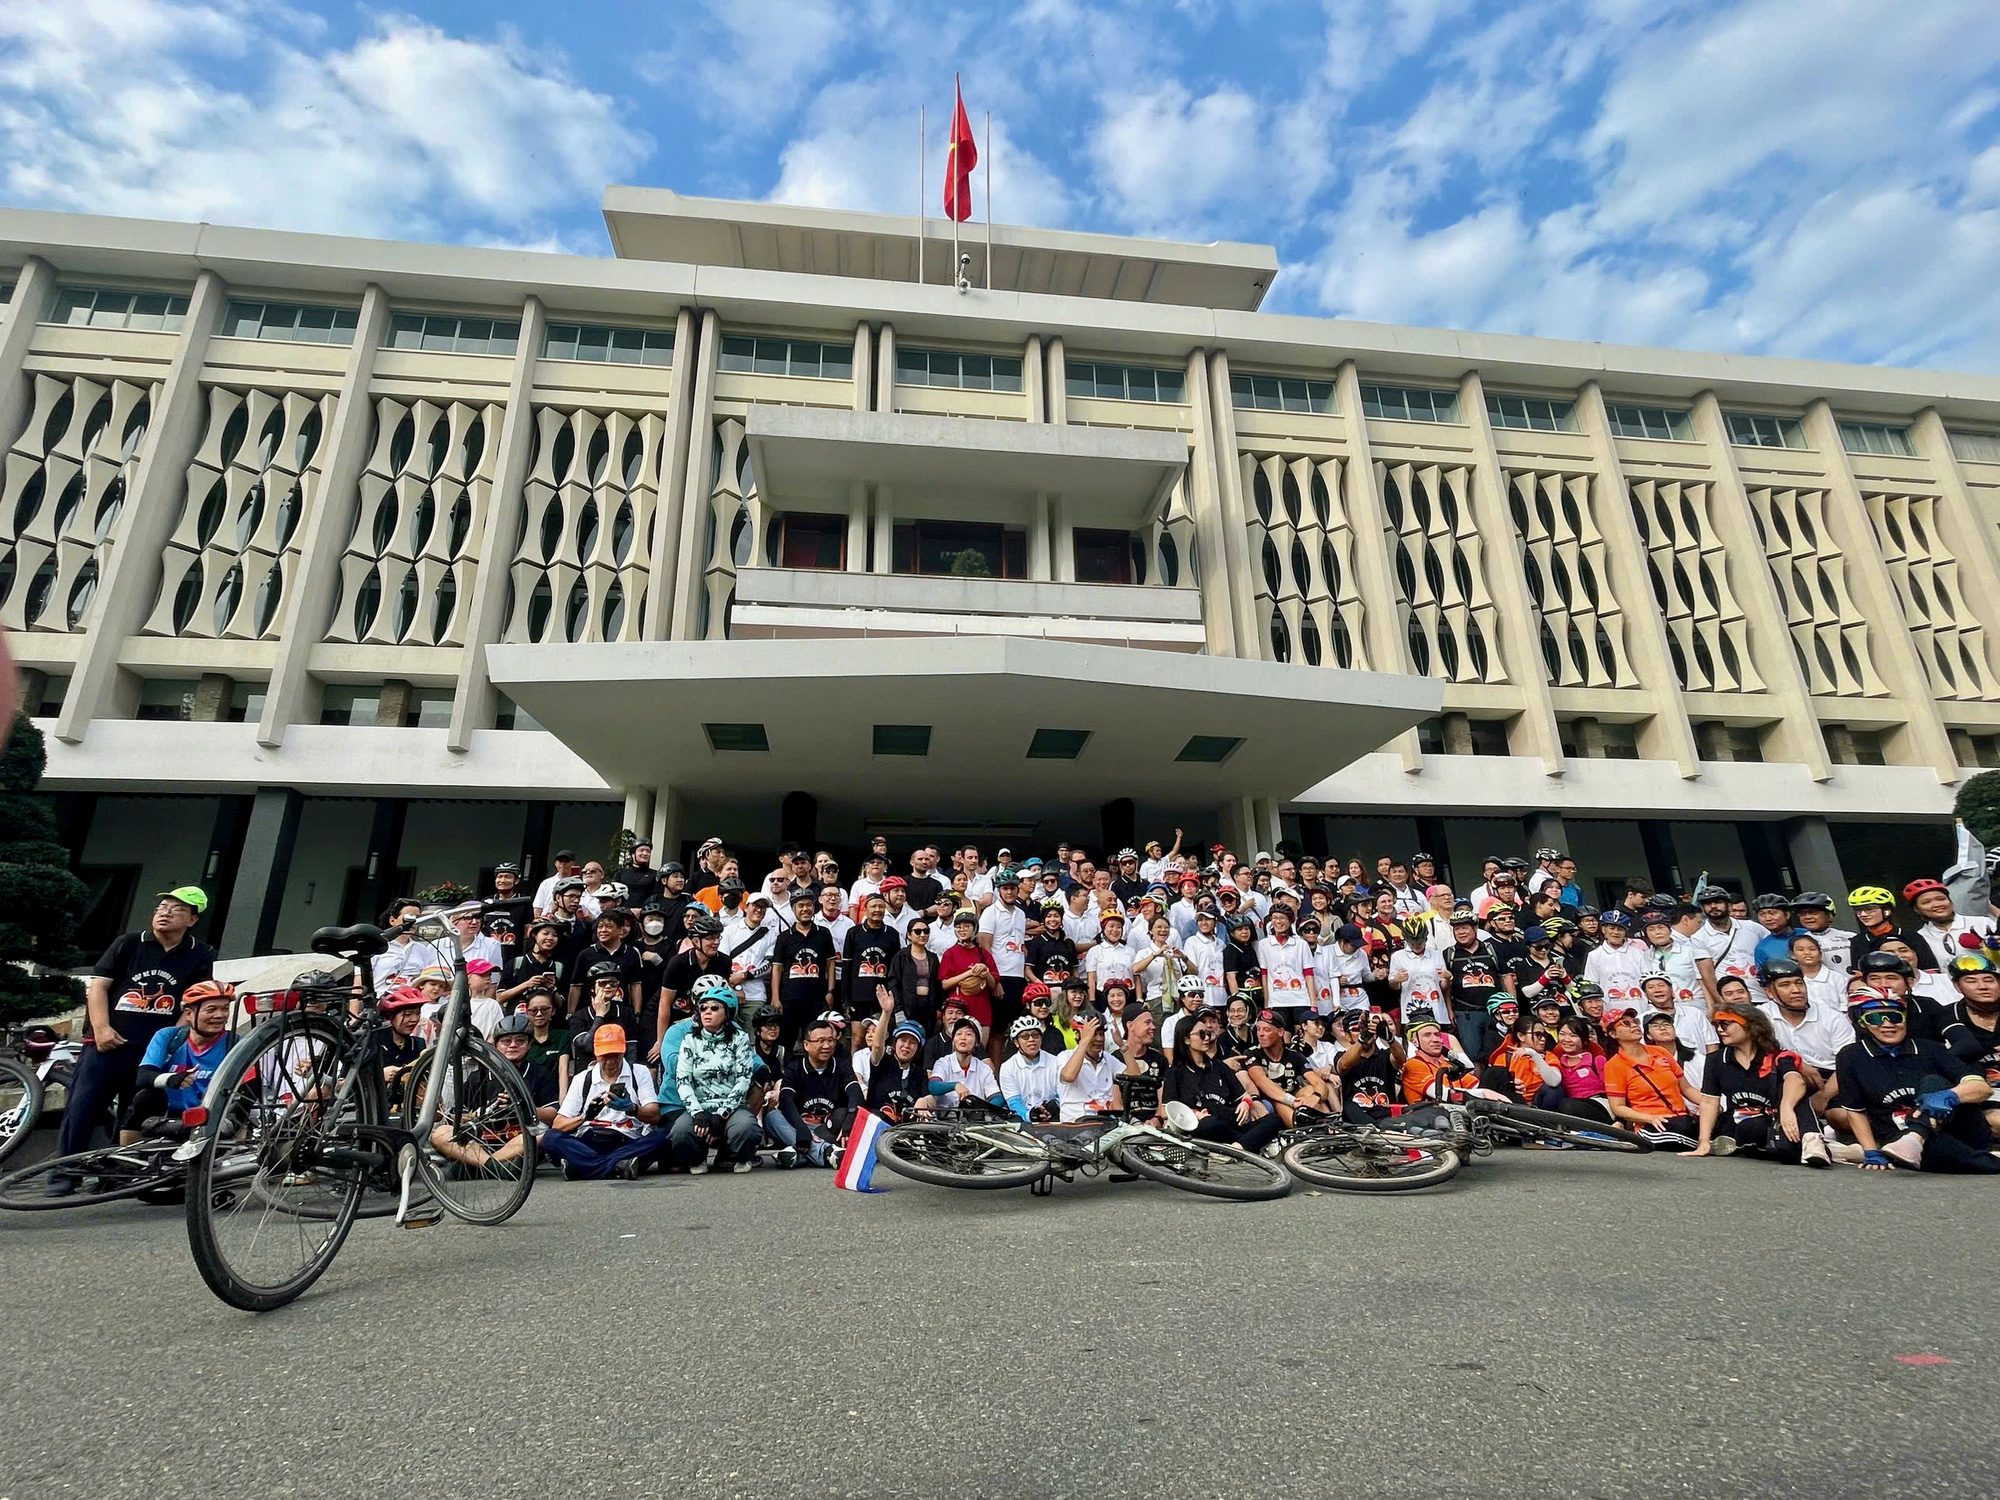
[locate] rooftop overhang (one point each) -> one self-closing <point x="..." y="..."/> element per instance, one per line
<point x="656" y="224"/>
<point x="637" y="714"/>
<point x="1111" y="476"/>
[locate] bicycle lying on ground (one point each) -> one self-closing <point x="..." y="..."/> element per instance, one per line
<point x="1431" y="1144"/>
<point x="295" y="1128"/>
<point x="145" y="1170"/>
<point x="983" y="1146"/>
<point x="34" y="1063"/>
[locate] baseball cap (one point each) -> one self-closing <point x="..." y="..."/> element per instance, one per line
<point x="1622" y="1013"/>
<point x="608" y="1039"/>
<point x="188" y="895"/>
<point x="480" y="966"/>
<point x="907" y="1028"/>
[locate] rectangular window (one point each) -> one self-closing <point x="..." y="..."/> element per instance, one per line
<point x="1877" y="437"/>
<point x="1531" y="413"/>
<point x="1058" y="744"/>
<point x="166" y="698"/>
<point x="58" y="689"/>
<point x="449" y="334"/>
<point x="955" y="371"/>
<point x="1406" y="404"/>
<point x="1280" y="393"/>
<point x="609" y="346"/>
<point x="101" y="307"/>
<point x="1854" y="747"/>
<point x="512" y="716"/>
<point x="1748" y="430"/>
<point x="1658" y="422"/>
<point x="1430" y="737"/>
<point x="428" y="708"/>
<point x="960" y="549"/>
<point x="1103" y="556"/>
<point x="748" y="356"/>
<point x="1977" y="447"/>
<point x="1489" y="736"/>
<point x="6" y="292"/>
<point x="902" y="739"/>
<point x="289" y="323"/>
<point x="353" y="704"/>
<point x="1208" y="749"/>
<point x="1095" y="378"/>
<point x="246" y="702"/>
<point x="747" y="738"/>
<point x="817" y="542"/>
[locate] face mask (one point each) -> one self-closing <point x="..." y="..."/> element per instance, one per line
<point x="654" y="929"/>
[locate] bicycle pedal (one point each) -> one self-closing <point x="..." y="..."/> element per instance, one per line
<point x="422" y="1218"/>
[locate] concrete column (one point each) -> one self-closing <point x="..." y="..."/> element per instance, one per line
<point x="1840" y="747"/>
<point x="1058" y="384"/>
<point x="1970" y="539"/>
<point x="1816" y="862"/>
<point x="34" y="289"/>
<point x="1544" y="830"/>
<point x="885" y="369"/>
<point x="685" y="562"/>
<point x="857" y="527"/>
<point x="1520" y="621"/>
<point x="1457" y="731"/>
<point x="1239" y="828"/>
<point x="1796" y="736"/>
<point x="385" y="852"/>
<point x="1963" y="748"/>
<point x="1875" y="594"/>
<point x="473" y="700"/>
<point x="536" y="832"/>
<point x="1663" y="865"/>
<point x="639" y="812"/>
<point x="129" y="562"/>
<point x="392" y="705"/>
<point x="1062" y="540"/>
<point x="667" y="826"/>
<point x="34" y="687"/>
<point x="1040" y="547"/>
<point x="1034" y="383"/>
<point x="798" y="820"/>
<point x="308" y="603"/>
<point x="1668" y="736"/>
<point x="261" y="872"/>
<point x="1387" y="646"/>
<point x="1766" y="858"/>
<point x="1267" y="824"/>
<point x="1587" y="734"/>
<point x="1204" y="494"/>
<point x="225" y="859"/>
<point x="1252" y="639"/>
<point x="864" y="366"/>
<point x="211" y="698"/>
<point x="1712" y="742"/>
<point x="882" y="558"/>
<point x="690" y="352"/>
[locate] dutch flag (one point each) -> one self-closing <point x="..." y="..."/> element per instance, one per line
<point x="857" y="1162"/>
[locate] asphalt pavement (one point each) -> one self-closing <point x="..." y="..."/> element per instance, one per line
<point x="1552" y="1324"/>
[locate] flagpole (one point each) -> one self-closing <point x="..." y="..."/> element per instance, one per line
<point x="923" y="186"/>
<point x="951" y="166"/>
<point x="989" y="200"/>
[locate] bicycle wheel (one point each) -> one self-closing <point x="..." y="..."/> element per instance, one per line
<point x="1371" y="1161"/>
<point x="1206" y="1167"/>
<point x="1586" y="1133"/>
<point x="952" y="1156"/>
<point x="102" y="1176"/>
<point x="480" y="1159"/>
<point x="274" y="1189"/>
<point x="20" y="1104"/>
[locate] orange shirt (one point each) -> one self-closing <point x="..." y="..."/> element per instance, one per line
<point x="1651" y="1086"/>
<point x="1421" y="1079"/>
<point x="1527" y="1077"/>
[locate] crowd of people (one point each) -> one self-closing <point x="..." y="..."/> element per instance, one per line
<point x="686" y="1019"/>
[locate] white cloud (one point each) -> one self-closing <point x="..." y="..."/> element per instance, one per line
<point x="109" y="106"/>
<point x="743" y="63"/>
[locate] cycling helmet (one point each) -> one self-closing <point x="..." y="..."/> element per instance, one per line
<point x="1774" y="969"/>
<point x="517" y="1024"/>
<point x="1036" y="991"/>
<point x="1812" y="901"/>
<point x="1545" y="854"/>
<point x="1973" y="963"/>
<point x="1499" y="1001"/>
<point x="569" y="883"/>
<point x="1189" y="984"/>
<point x="672" y="867"/>
<point x="1614" y="918"/>
<point x="1023" y="1025"/>
<point x="1589" y="911"/>
<point x="1918" y="887"/>
<point x="612" y="890"/>
<point x="707" y="987"/>
<point x="1772" y="901"/>
<point x="1870" y="895"/>
<point x="1710" y="893"/>
<point x="402" y="997"/>
<point x="1886" y="963"/>
<point x="605" y="970"/>
<point x="1865" y="1004"/>
<point x="767" y="1015"/>
<point x="1463" y="917"/>
<point x="1416" y="928"/>
<point x="1586" y="989"/>
<point x="1517" y="864"/>
<point x="506" y="867"/>
<point x="706" y="924"/>
<point x="206" y="989"/>
<point x="1556" y="926"/>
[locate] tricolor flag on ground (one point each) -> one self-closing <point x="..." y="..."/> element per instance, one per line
<point x="857" y="1162"/>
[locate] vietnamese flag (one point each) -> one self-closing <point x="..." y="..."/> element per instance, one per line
<point x="959" y="160"/>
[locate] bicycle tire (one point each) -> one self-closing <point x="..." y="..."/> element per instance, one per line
<point x="261" y="1156"/>
<point x="1154" y="1157"/>
<point x="911" y="1151"/>
<point x="20" y="1104"/>
<point x="26" y="1191"/>
<point x="1578" y="1132"/>
<point x="1372" y="1154"/>
<point x="494" y="1196"/>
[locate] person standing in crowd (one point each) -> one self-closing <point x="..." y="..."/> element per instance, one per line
<point x="637" y="875"/>
<point x="1418" y="976"/>
<point x="1618" y="964"/>
<point x="1725" y="947"/>
<point x="1003" y="936"/>
<point x="1474" y="971"/>
<point x="562" y="866"/>
<point x="1288" y="968"/>
<point x="872" y="945"/>
<point x="134" y="992"/>
<point x="802" y="968"/>
<point x="612" y="949"/>
<point x="1939" y="926"/>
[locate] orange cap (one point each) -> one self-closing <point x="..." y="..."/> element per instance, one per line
<point x="608" y="1039"/>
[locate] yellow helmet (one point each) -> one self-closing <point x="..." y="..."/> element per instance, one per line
<point x="1870" y="895"/>
<point x="1418" y="926"/>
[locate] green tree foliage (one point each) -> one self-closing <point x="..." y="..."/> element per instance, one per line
<point x="1979" y="806"/>
<point x="40" y="900"/>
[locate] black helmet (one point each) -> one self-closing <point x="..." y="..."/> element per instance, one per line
<point x="517" y="1024"/>
<point x="1710" y="893"/>
<point x="767" y="1015"/>
<point x="705" y="924"/>
<point x="1812" y="901"/>
<point x="672" y="867"/>
<point x="317" y="979"/>
<point x="506" y="867"/>
<point x="1774" y="969"/>
<point x="730" y="884"/>
<point x="654" y="907"/>
<point x="1879" y="962"/>
<point x="605" y="970"/>
<point x="1772" y="901"/>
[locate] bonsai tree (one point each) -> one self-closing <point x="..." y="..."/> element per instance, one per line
<point x="970" y="563"/>
<point x="1978" y="806"/>
<point x="40" y="898"/>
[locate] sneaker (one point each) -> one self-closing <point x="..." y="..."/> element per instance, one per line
<point x="698" y="1168"/>
<point x="1847" y="1152"/>
<point x="626" y="1171"/>
<point x="1813" y="1152"/>
<point x="1725" y="1145"/>
<point x="1906" y="1150"/>
<point x="61" y="1186"/>
<point x="745" y="1165"/>
<point x="568" y="1169"/>
<point x="786" y="1159"/>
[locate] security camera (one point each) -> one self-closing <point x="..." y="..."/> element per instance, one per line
<point x="964" y="271"/>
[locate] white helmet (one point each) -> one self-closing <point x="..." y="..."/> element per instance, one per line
<point x="1022" y="1026"/>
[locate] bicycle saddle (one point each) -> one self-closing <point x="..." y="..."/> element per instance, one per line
<point x="358" y="941"/>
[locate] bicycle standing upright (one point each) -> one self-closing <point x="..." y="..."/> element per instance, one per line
<point x="298" y="1124"/>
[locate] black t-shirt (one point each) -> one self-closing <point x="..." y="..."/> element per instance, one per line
<point x="1746" y="1093"/>
<point x="1128" y="891"/>
<point x="893" y="1087"/>
<point x="924" y="889"/>
<point x="1884" y="1086"/>
<point x="1040" y="948"/>
<point x="583" y="1024"/>
<point x="822" y="1093"/>
<point x="866" y="964"/>
<point x="627" y="959"/>
<point x="581" y="934"/>
<point x="506" y="919"/>
<point x="654" y="970"/>
<point x="683" y="969"/>
<point x="1238" y="960"/>
<point x="1212" y="1087"/>
<point x="543" y="1079"/>
<point x="1475" y="975"/>
<point x="147" y="981"/>
<point x="1528" y="973"/>
<point x="1287" y="1070"/>
<point x="642" y="884"/>
<point x="1373" y="1075"/>
<point x="1140" y="1091"/>
<point x="522" y="967"/>
<point x="1970" y="1043"/>
<point x="808" y="962"/>
<point x="770" y="1065"/>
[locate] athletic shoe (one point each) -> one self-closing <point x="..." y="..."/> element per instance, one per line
<point x="1847" y="1151"/>
<point x="61" y="1186"/>
<point x="626" y="1171"/>
<point x="699" y="1168"/>
<point x="786" y="1159"/>
<point x="1813" y="1152"/>
<point x="1722" y="1145"/>
<point x="568" y="1170"/>
<point x="745" y="1165"/>
<point x="1906" y="1150"/>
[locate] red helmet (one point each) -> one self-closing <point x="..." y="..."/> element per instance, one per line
<point x="402" y="997"/>
<point x="1916" y="888"/>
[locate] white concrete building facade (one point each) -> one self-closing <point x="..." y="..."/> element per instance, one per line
<point x="339" y="566"/>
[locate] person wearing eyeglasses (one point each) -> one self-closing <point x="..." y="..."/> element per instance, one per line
<point x="1911" y="1104"/>
<point x="1646" y="1089"/>
<point x="1220" y="1095"/>
<point x="1755" y="1096"/>
<point x="713" y="1072"/>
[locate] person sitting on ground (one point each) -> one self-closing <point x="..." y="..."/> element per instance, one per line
<point x="1646" y="1088"/>
<point x="1284" y="1076"/>
<point x="1971" y="1029"/>
<point x="1754" y="1095"/>
<point x="1143" y="1068"/>
<point x="963" y="1071"/>
<point x="1433" y="1069"/>
<point x="1582" y="1072"/>
<point x="1530" y="1076"/>
<point x="178" y="1062"/>
<point x="1811" y="1033"/>
<point x="716" y="1063"/>
<point x="766" y="1030"/>
<point x="605" y="1126"/>
<point x="1911" y="1104"/>
<point x="515" y="1040"/>
<point x="1224" y="1108"/>
<point x="1239" y="1035"/>
<point x="1040" y="1001"/>
<point x="899" y="1076"/>
<point x="397" y="1044"/>
<point x="1370" y="1066"/>
<point x="817" y="1100"/>
<point x="1087" y="1074"/>
<point x="1029" y="1078"/>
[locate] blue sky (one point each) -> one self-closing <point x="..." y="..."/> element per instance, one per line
<point x="1811" y="177"/>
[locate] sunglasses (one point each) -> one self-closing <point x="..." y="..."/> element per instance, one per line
<point x="712" y="1005"/>
<point x="1883" y="1018"/>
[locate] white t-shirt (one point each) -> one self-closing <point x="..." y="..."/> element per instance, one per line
<point x="840" y="926"/>
<point x="590" y="1085"/>
<point x="860" y="891"/>
<point x="486" y="1014"/>
<point x="1008" y="927"/>
<point x="977" y="1076"/>
<point x="1423" y="994"/>
<point x="1081" y="930"/>
<point x="1205" y="954"/>
<point x="1150" y="964"/>
<point x="1619" y="970"/>
<point x="1107" y="961"/>
<point x="1033" y="1083"/>
<point x="1733" y="951"/>
<point x="1286" y="964"/>
<point x="1350" y="973"/>
<point x="900" y="920"/>
<point x="1818" y="1038"/>
<point x="400" y="961"/>
<point x="1836" y="951"/>
<point x="1093" y="1085"/>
